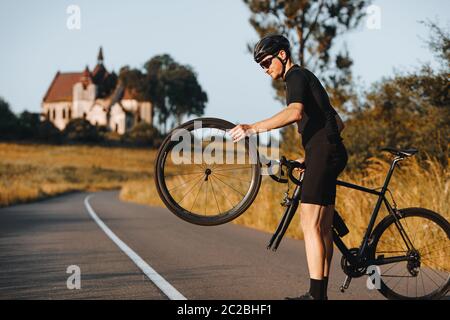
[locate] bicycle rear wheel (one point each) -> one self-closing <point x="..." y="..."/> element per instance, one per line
<point x="426" y="274"/>
<point x="202" y="176"/>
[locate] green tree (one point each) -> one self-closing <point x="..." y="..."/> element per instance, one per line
<point x="28" y="123"/>
<point x="439" y="43"/>
<point x="155" y="85"/>
<point x="8" y="121"/>
<point x="312" y="26"/>
<point x="133" y="80"/>
<point x="172" y="88"/>
<point x="185" y="94"/>
<point x="408" y="110"/>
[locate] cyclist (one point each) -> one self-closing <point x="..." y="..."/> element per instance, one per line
<point x="320" y="126"/>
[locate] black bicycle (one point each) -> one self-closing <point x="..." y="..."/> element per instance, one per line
<point x="206" y="179"/>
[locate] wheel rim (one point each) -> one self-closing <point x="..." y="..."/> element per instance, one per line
<point x="208" y="190"/>
<point x="427" y="272"/>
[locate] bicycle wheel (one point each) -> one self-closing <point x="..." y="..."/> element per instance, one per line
<point x="202" y="176"/>
<point x="426" y="275"/>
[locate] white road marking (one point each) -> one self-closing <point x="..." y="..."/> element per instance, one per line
<point x="160" y="282"/>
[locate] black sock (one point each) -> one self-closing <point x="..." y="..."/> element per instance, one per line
<point x="316" y="289"/>
<point x="325" y="287"/>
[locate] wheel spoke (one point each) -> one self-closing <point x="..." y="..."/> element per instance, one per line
<point x="191" y="189"/>
<point x="400" y="278"/>
<point x="228" y="169"/>
<point x="434" y="256"/>
<point x="184" y="174"/>
<point x="396" y="276"/>
<point x="402" y="251"/>
<point x="171" y="189"/>
<point x="428" y="253"/>
<point x="413" y="234"/>
<point x="230" y="186"/>
<point x="227" y="175"/>
<point x="431" y="268"/>
<point x="423" y="284"/>
<point x="232" y="205"/>
<point x="423" y="270"/>
<point x="392" y="245"/>
<point x="416" y="286"/>
<point x="407" y="286"/>
<point x="391" y="268"/>
<point x="206" y="196"/>
<point x="214" y="194"/>
<point x="195" y="200"/>
<point x="431" y="245"/>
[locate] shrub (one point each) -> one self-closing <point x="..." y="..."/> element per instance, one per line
<point x="143" y="134"/>
<point x="81" y="130"/>
<point x="9" y="126"/>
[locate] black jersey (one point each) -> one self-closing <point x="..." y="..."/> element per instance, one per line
<point x="318" y="121"/>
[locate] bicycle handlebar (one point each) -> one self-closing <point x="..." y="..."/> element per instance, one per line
<point x="290" y="165"/>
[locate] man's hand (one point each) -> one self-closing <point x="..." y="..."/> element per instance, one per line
<point x="241" y="131"/>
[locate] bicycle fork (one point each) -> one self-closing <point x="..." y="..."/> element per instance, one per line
<point x="292" y="206"/>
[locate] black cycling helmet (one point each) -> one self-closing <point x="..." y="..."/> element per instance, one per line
<point x="270" y="45"/>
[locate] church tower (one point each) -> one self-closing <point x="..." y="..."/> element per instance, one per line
<point x="100" y="56"/>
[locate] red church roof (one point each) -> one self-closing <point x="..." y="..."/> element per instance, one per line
<point x="62" y="86"/>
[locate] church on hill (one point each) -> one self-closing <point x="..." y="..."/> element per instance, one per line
<point x="96" y="96"/>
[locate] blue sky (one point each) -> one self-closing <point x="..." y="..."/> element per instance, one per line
<point x="209" y="35"/>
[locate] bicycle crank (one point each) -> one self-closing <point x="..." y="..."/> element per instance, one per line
<point x="352" y="270"/>
<point x="346" y="284"/>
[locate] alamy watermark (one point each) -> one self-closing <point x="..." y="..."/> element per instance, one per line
<point x="373" y="21"/>
<point x="74" y="280"/>
<point x="374" y="277"/>
<point x="73" y="21"/>
<point x="214" y="146"/>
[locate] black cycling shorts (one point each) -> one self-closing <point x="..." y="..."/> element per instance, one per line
<point x="324" y="162"/>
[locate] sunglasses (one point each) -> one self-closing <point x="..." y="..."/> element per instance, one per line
<point x="266" y="63"/>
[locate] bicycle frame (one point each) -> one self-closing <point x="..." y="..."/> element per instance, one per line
<point x="362" y="250"/>
<point x="365" y="242"/>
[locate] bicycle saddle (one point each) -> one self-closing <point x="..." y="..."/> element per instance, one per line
<point x="401" y="152"/>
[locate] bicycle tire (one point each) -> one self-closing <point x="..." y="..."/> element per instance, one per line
<point x="383" y="226"/>
<point x="187" y="215"/>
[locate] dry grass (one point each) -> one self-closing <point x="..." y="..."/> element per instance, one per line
<point x="29" y="172"/>
<point x="412" y="185"/>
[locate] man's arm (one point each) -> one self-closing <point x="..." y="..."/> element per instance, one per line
<point x="292" y="113"/>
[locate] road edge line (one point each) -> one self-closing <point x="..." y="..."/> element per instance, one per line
<point x="159" y="281"/>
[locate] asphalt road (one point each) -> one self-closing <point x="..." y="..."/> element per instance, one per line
<point x="39" y="241"/>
